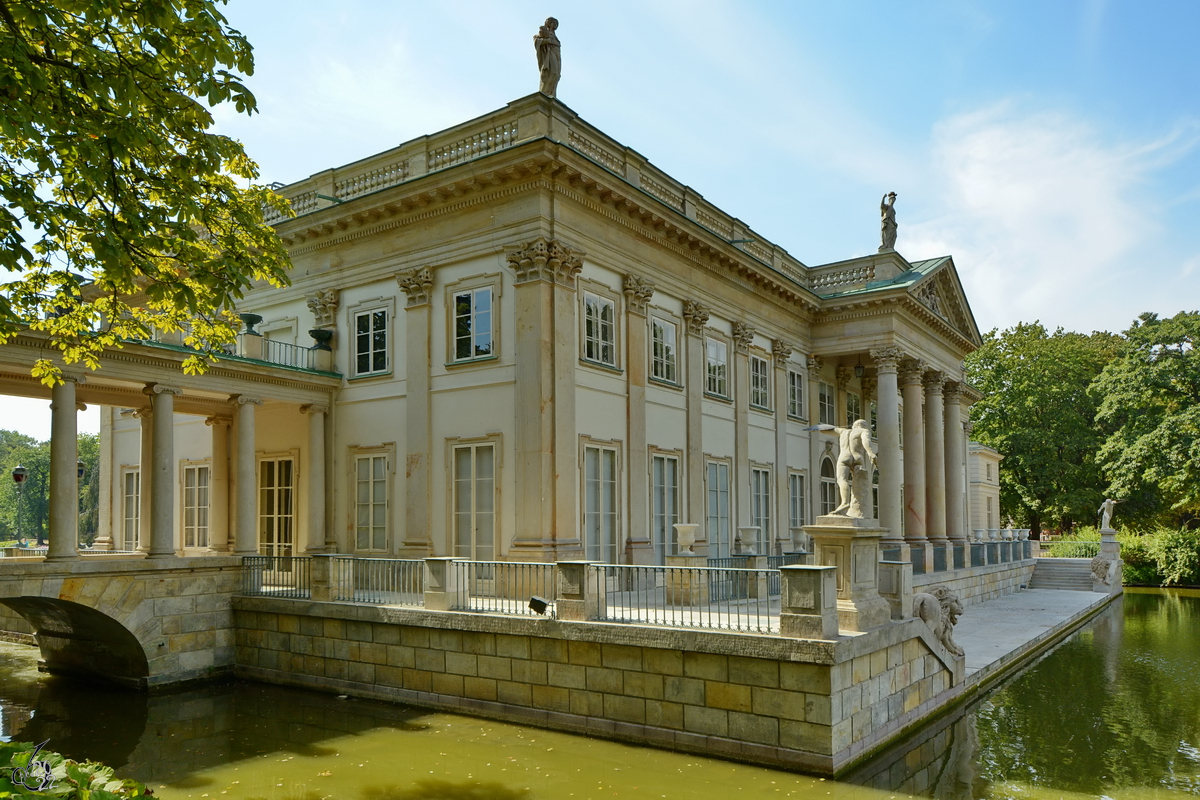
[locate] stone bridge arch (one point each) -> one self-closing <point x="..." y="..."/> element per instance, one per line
<point x="136" y="622"/>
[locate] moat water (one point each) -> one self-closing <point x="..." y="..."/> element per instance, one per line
<point x="1112" y="712"/>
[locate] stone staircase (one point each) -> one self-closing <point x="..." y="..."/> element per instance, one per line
<point x="1072" y="574"/>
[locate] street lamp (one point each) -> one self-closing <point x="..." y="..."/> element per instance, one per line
<point x="19" y="474"/>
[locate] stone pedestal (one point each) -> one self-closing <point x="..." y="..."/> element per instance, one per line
<point x="578" y="593"/>
<point x="852" y="545"/>
<point x="808" y="602"/>
<point x="686" y="587"/>
<point x="1110" y="555"/>
<point x="441" y="584"/>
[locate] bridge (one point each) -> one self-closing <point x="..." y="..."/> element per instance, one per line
<point x="137" y="622"/>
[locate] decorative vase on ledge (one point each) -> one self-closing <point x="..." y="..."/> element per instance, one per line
<point x="322" y="337"/>
<point x="250" y="320"/>
<point x="685" y="537"/>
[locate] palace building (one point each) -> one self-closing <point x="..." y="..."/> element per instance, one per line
<point x="517" y="339"/>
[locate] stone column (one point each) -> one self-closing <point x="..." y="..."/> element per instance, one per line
<point x="418" y="443"/>
<point x="814" y="437"/>
<point x="891" y="474"/>
<point x="910" y="375"/>
<point x="145" y="475"/>
<point x="782" y="352"/>
<point x="695" y="316"/>
<point x="935" y="457"/>
<point x="245" y="534"/>
<point x="64" y="475"/>
<point x="162" y="491"/>
<point x="104" y="537"/>
<point x="743" y="337"/>
<point x="547" y="445"/>
<point x="956" y="525"/>
<point x="869" y="386"/>
<point x="218" y="486"/>
<point x="316" y="479"/>
<point x="639" y="549"/>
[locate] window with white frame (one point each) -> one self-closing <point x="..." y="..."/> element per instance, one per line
<point x="599" y="329"/>
<point x="370" y="503"/>
<point x="600" y="525"/>
<point x="829" y="489"/>
<point x="472" y="323"/>
<point x="760" y="508"/>
<point x="760" y="382"/>
<point x="664" y="503"/>
<point x="276" y="506"/>
<point x="717" y="358"/>
<point x="663" y="358"/>
<point x="827" y="403"/>
<point x="131" y="496"/>
<point x="796" y="394"/>
<point x="718" y="509"/>
<point x="796" y="499"/>
<point x="195" y="505"/>
<point x="853" y="408"/>
<point x="475" y="501"/>
<point x="371" y="342"/>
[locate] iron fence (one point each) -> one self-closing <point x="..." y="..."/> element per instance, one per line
<point x="381" y="581"/>
<point x="503" y="587"/>
<point x="684" y="597"/>
<point x="277" y="576"/>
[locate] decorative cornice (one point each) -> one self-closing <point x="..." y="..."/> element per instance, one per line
<point x="912" y="371"/>
<point x="934" y="380"/>
<point x="324" y="305"/>
<point x="696" y="315"/>
<point x="782" y="352"/>
<point x="887" y="359"/>
<point x="743" y="336"/>
<point x="417" y="283"/>
<point x="638" y="292"/>
<point x="545" y="260"/>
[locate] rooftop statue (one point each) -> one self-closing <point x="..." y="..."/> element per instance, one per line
<point x="549" y="57"/>
<point x="887" y="223"/>
<point x="854" y="445"/>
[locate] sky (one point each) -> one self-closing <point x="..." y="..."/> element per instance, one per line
<point x="1052" y="148"/>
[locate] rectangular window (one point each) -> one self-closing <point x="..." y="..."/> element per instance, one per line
<point x="795" y="500"/>
<point x="132" y="495"/>
<point x="475" y="502"/>
<point x="827" y="403"/>
<point x="662" y="356"/>
<point x="599" y="329"/>
<point x="796" y="394"/>
<point x="600" y="528"/>
<point x="370" y="342"/>
<point x="276" y="514"/>
<point x="718" y="509"/>
<point x="853" y="408"/>
<point x="760" y="382"/>
<point x="717" y="379"/>
<point x="664" y="504"/>
<point x="473" y="324"/>
<point x="370" y="503"/>
<point x="829" y="489"/>
<point x="760" y="508"/>
<point x="195" y="506"/>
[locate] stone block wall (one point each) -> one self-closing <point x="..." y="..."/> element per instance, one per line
<point x="798" y="703"/>
<point x="979" y="584"/>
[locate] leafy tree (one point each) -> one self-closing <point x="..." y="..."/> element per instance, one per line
<point x="119" y="211"/>
<point x="1149" y="409"/>
<point x="1036" y="410"/>
<point x="18" y="449"/>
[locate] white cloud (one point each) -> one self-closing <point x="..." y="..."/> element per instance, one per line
<point x="1042" y="216"/>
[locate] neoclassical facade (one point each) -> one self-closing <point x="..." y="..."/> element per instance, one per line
<point x="541" y="347"/>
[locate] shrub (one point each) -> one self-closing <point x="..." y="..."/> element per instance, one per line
<point x="1140" y="567"/>
<point x="1177" y="554"/>
<point x="29" y="771"/>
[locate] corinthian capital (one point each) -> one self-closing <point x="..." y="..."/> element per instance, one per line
<point x="417" y="284"/>
<point x="912" y="370"/>
<point x="638" y="292"/>
<point x="886" y="358"/>
<point x="743" y="336"/>
<point x="545" y="260"/>
<point x="324" y="306"/>
<point x="782" y="352"/>
<point x="696" y="315"/>
<point x="934" y="379"/>
<point x="814" y="367"/>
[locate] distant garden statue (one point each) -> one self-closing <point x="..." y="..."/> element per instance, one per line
<point x="549" y="56"/>
<point x="887" y="223"/>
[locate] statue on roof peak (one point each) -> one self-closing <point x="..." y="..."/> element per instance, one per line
<point x="549" y="56"/>
<point x="887" y="210"/>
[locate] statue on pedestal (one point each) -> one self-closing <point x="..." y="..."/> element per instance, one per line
<point x="853" y="479"/>
<point x="887" y="211"/>
<point x="1106" y="511"/>
<point x="549" y="56"/>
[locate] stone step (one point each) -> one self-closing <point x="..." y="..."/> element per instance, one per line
<point x="1073" y="574"/>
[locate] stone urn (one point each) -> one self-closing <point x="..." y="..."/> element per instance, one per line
<point x="685" y="537"/>
<point x="250" y="320"/>
<point x="322" y="337"/>
<point x="980" y="534"/>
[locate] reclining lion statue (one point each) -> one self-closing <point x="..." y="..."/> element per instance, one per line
<point x="940" y="610"/>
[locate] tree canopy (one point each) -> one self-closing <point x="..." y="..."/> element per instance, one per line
<point x="1149" y="408"/>
<point x="121" y="212"/>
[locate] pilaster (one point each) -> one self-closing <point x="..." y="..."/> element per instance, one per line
<point x="417" y="284"/>
<point x="245" y="534"/>
<point x="781" y="353"/>
<point x="814" y="437"/>
<point x="695" y="316"/>
<point x="743" y="337"/>
<point x="639" y="548"/>
<point x="145" y="418"/>
<point x="317" y="536"/>
<point x="218" y="493"/>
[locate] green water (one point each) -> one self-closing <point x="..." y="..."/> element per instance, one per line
<point x="1112" y="712"/>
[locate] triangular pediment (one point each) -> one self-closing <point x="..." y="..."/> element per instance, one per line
<point x="941" y="292"/>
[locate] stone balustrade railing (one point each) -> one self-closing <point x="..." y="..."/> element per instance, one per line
<point x="523" y="120"/>
<point x="841" y="279"/>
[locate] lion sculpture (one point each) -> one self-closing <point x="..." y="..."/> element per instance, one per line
<point x="940" y="609"/>
<point x="1102" y="569"/>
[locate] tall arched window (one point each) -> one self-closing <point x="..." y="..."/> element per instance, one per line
<point x="829" y="490"/>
